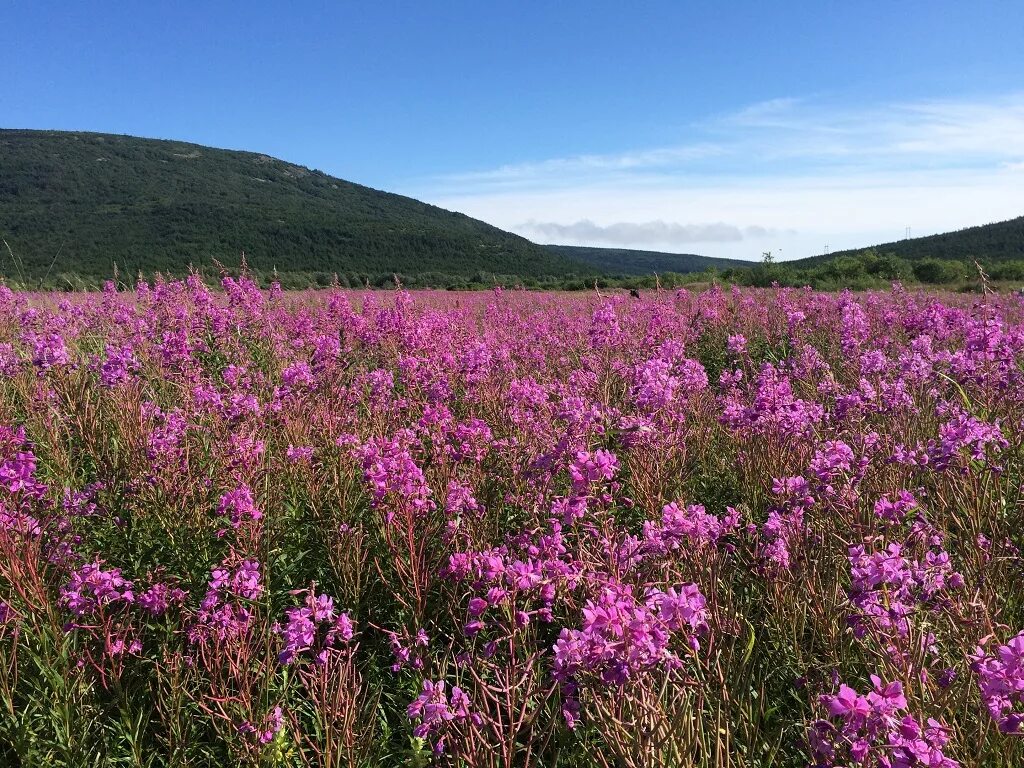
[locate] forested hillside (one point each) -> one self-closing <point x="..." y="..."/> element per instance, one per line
<point x="79" y="203"/>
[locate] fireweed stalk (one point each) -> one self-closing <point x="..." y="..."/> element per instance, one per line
<point x="345" y="528"/>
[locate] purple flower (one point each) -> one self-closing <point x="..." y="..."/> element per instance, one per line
<point x="299" y="454"/>
<point x="621" y="636"/>
<point x="314" y="629"/>
<point x="887" y="587"/>
<point x="737" y="344"/>
<point x="1001" y="680"/>
<point x="272" y="724"/>
<point x="159" y="597"/>
<point x="91" y="588"/>
<point x="393" y="475"/>
<point x="225" y="609"/>
<point x="590" y="468"/>
<point x="896" y="511"/>
<point x="120" y="364"/>
<point x="437" y="713"/>
<point x="848" y="705"/>
<point x="49" y="350"/>
<point x="875" y="729"/>
<point x="238" y="505"/>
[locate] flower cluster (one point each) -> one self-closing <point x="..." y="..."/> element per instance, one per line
<point x="522" y="578"/>
<point x="159" y="598"/>
<point x="887" y="587"/>
<point x="686" y="526"/>
<point x="265" y="732"/>
<point x="393" y="475"/>
<point x="315" y="629"/>
<point x="870" y="730"/>
<point x="238" y="505"/>
<point x="438" y="713"/>
<point x="1001" y="678"/>
<point x="91" y="588"/>
<point x="588" y="469"/>
<point x="225" y="610"/>
<point x="622" y="636"/>
<point x="119" y="365"/>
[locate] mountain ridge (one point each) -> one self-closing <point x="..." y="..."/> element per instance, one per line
<point x="79" y="202"/>
<point x="634" y="262"/>
<point x="995" y="241"/>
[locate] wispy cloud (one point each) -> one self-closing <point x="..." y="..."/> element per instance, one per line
<point x="554" y="169"/>
<point x="795" y="172"/>
<point x="916" y="133"/>
<point x="791" y="136"/>
<point x="762" y="114"/>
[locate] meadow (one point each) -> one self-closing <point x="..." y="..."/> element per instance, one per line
<point x="734" y="527"/>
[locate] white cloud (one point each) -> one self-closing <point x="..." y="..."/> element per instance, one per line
<point x="553" y="169"/>
<point x="630" y="234"/>
<point x="918" y="132"/>
<point x="795" y="174"/>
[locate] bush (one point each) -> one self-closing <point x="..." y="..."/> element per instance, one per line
<point x="939" y="271"/>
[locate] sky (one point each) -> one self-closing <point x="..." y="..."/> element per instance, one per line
<point x="721" y="128"/>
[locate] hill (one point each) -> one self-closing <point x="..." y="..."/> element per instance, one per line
<point x="991" y="243"/>
<point x="625" y="261"/>
<point x="78" y="203"/>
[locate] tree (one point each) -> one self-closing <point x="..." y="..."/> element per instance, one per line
<point x="938" y="271"/>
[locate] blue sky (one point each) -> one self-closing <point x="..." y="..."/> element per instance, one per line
<point x="719" y="128"/>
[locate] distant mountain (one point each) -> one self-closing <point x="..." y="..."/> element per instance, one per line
<point x="1001" y="241"/>
<point x="625" y="261"/>
<point x="80" y="202"/>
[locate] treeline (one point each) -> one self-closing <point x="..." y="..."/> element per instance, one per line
<point x="999" y="241"/>
<point x="871" y="269"/>
<point x="297" y="281"/>
<point x="866" y="270"/>
<point x="629" y="261"/>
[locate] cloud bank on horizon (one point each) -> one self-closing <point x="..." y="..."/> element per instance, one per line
<point x="792" y="176"/>
<point x="627" y="234"/>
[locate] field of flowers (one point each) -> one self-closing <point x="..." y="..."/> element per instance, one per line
<point x="744" y="528"/>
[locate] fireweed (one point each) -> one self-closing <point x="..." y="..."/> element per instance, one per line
<point x="339" y="528"/>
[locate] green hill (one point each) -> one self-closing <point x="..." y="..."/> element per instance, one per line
<point x="626" y="261"/>
<point x="79" y="203"/>
<point x="949" y="259"/>
<point x="1001" y="241"/>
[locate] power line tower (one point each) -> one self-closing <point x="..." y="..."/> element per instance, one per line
<point x="908" y="234"/>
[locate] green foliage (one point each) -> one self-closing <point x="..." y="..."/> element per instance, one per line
<point x="1010" y="270"/>
<point x="871" y="270"/>
<point x="997" y="242"/>
<point x="938" y="272"/>
<point x="937" y="260"/>
<point x="887" y="266"/>
<point x="76" y="206"/>
<point x="623" y="261"/>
